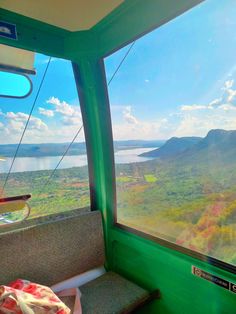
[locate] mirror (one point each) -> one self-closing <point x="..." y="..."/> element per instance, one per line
<point x="14" y="85"/>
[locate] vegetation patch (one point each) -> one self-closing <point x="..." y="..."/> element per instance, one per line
<point x="150" y="178"/>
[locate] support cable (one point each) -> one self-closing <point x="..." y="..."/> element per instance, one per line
<point x="120" y="64"/>
<point x="62" y="157"/>
<point x="78" y="132"/>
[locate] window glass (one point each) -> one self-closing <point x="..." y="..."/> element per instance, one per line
<point x="173" y="105"/>
<point x="45" y="166"/>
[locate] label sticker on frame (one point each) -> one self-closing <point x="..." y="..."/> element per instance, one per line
<point x="8" y="30"/>
<point x="214" y="279"/>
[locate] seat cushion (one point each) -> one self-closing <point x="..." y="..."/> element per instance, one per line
<point x="111" y="294"/>
<point x="52" y="252"/>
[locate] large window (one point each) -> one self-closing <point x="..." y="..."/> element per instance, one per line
<point x="173" y="105"/>
<point x="55" y="174"/>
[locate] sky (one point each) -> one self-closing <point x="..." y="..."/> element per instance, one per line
<point x="56" y="116"/>
<point x="178" y="80"/>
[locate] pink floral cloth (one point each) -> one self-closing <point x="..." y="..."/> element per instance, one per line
<point x="25" y="297"/>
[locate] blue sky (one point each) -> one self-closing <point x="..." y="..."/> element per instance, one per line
<point x="174" y="73"/>
<point x="178" y="80"/>
<point x="56" y="116"/>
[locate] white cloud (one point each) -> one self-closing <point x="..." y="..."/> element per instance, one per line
<point x="190" y="120"/>
<point x="155" y="129"/>
<point x="64" y="108"/>
<point x="222" y="114"/>
<point x="19" y="119"/>
<point x="45" y="112"/>
<point x="61" y="129"/>
<point x="38" y="132"/>
<point x="19" y="116"/>
<point x="129" y="127"/>
<point x="226" y="102"/>
<point x="187" y="126"/>
<point x="14" y="124"/>
<point x="227" y="107"/>
<point x="228" y="84"/>
<point x="128" y="117"/>
<point x="216" y="102"/>
<point x="231" y="95"/>
<point x="192" y="107"/>
<point x="37" y="124"/>
<point x="196" y="124"/>
<point x="72" y="121"/>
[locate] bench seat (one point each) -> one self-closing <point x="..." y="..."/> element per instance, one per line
<point x="109" y="294"/>
<point x="52" y="252"/>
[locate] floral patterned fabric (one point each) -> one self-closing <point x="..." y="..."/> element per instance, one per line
<point x="24" y="297"/>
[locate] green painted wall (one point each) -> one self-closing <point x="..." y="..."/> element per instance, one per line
<point x="153" y="266"/>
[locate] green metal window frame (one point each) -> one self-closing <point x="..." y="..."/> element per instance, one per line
<point x="159" y="240"/>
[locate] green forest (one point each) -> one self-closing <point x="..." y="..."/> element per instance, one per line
<point x="68" y="189"/>
<point x="188" y="198"/>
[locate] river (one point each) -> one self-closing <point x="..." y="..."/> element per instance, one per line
<point x="47" y="163"/>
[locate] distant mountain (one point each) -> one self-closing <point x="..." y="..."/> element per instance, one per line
<point x="226" y="139"/>
<point x="42" y="150"/>
<point x="58" y="149"/>
<point x="217" y="146"/>
<point x="173" y="147"/>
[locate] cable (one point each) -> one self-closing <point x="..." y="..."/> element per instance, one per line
<point x="26" y="125"/>
<point x="114" y="74"/>
<point x="62" y="157"/>
<point x="117" y="69"/>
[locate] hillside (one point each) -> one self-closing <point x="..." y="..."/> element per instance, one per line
<point x="173" y="147"/>
<point x="219" y="146"/>
<point x="188" y="198"/>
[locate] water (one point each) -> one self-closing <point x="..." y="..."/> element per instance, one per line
<point x="47" y="163"/>
<point x="132" y="155"/>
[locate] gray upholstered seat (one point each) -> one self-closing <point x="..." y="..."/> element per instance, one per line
<point x="51" y="252"/>
<point x="109" y="294"/>
<point x="48" y="253"/>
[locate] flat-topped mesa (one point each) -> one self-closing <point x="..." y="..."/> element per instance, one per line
<point x="220" y="135"/>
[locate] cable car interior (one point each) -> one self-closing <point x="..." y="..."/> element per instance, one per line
<point x="118" y="152"/>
